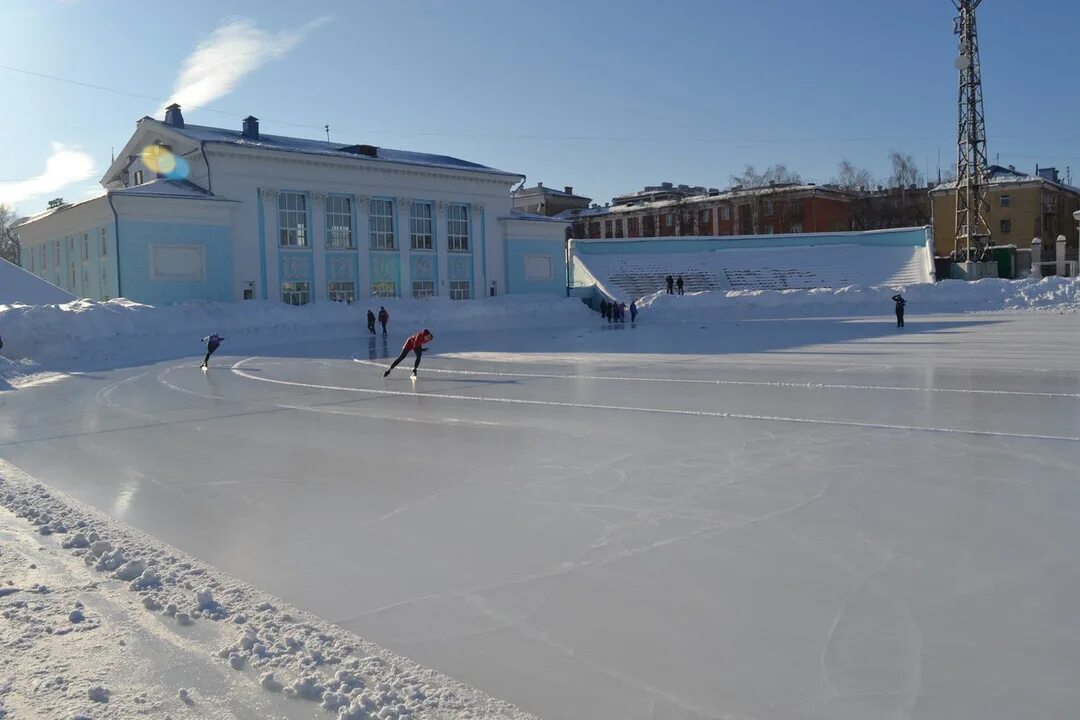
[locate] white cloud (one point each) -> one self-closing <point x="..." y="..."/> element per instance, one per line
<point x="233" y="50"/>
<point x="66" y="165"/>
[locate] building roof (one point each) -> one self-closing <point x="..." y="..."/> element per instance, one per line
<point x="1001" y="175"/>
<point x="308" y="146"/>
<point x="538" y="189"/>
<point x="730" y="194"/>
<point x="533" y="217"/>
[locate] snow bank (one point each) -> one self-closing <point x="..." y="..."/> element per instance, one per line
<point x="949" y="296"/>
<point x="127" y="647"/>
<point x="19" y="286"/>
<point x="99" y="334"/>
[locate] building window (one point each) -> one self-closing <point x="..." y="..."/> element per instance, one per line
<point x="796" y="228"/>
<point x="669" y="219"/>
<point x="382" y="225"/>
<point x="295" y="293"/>
<point x="706" y="215"/>
<point x="725" y="213"/>
<point x="339" y="226"/>
<point x="607" y="229"/>
<point x="32" y="268"/>
<point x="138" y="177"/>
<point x="769" y="208"/>
<point x="292" y="220"/>
<point x="632" y="226"/>
<point x="104" y="242"/>
<point x="594" y="229"/>
<point x="383" y="289"/>
<point x="420" y="226"/>
<point x="1006" y="226"/>
<point x="768" y="229"/>
<point x="457" y="228"/>
<point x="459" y="289"/>
<point x="423" y="288"/>
<point x="1005" y="200"/>
<point x="618" y="228"/>
<point x="71" y="279"/>
<point x="341" y="292"/>
<point x="56" y="254"/>
<point x="86" y="246"/>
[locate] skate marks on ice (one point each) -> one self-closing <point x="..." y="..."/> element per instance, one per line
<point x="238" y="369"/>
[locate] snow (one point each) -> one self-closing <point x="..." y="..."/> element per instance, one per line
<point x="726" y="510"/>
<point x="84" y="639"/>
<point x="20" y="286"/>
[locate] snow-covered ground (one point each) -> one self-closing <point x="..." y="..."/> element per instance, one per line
<point x="724" y="516"/>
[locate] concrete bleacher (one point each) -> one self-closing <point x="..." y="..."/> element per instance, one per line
<point x="631" y="275"/>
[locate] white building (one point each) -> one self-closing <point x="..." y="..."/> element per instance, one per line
<point x="194" y="212"/>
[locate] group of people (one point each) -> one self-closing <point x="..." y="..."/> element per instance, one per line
<point x="615" y="312"/>
<point x="673" y="283"/>
<point x="384" y="317"/>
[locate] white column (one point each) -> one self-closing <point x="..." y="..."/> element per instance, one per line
<point x="480" y="238"/>
<point x="318" y="245"/>
<point x="270" y="242"/>
<point x="441" y="245"/>
<point x="404" y="207"/>
<point x="363" y="245"/>
<point x="1036" y="258"/>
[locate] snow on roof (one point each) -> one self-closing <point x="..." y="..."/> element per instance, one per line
<point x="17" y="286"/>
<point x="533" y="217"/>
<point x="550" y="191"/>
<point x="1000" y="175"/>
<point x="731" y="194"/>
<point x="164" y="187"/>
<point x="225" y="136"/>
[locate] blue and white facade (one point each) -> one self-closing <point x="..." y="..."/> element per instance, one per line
<point x="243" y="215"/>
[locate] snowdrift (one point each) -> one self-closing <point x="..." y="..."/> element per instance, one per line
<point x="949" y="296"/>
<point x="19" y="286"/>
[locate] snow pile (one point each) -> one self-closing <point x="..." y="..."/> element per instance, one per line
<point x="19" y="286"/>
<point x="98" y="334"/>
<point x="283" y="652"/>
<point x="949" y="296"/>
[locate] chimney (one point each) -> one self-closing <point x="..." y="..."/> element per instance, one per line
<point x="251" y="128"/>
<point x="539" y="184"/>
<point x="568" y="189"/>
<point x="173" y="116"/>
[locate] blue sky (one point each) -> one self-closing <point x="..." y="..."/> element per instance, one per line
<point x="606" y="97"/>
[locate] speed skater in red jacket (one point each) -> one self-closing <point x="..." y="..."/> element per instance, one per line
<point x="414" y="344"/>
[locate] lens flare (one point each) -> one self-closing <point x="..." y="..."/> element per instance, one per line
<point x="162" y="162"/>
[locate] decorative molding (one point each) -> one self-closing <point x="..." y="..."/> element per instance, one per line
<point x="269" y="194"/>
<point x="318" y="196"/>
<point x="362" y="200"/>
<point x="404" y="205"/>
<point x="441" y="205"/>
<point x="477" y="207"/>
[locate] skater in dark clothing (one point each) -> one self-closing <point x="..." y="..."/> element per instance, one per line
<point x="212" y="342"/>
<point x="670" y="283"/>
<point x="622" y="312"/>
<point x="603" y="308"/>
<point x="633" y="311"/>
<point x="371" y="322"/>
<point x="384" y="317"/>
<point x="679" y="284"/>
<point x="900" y="303"/>
<point x="414" y="344"/>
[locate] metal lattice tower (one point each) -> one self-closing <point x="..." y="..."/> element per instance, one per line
<point x="972" y="206"/>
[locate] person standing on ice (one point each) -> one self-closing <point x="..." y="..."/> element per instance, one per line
<point x="633" y="311"/>
<point x="679" y="284"/>
<point x="603" y="308"/>
<point x="212" y="343"/>
<point x="384" y="317"/>
<point x="371" y="322"/>
<point x="414" y="344"/>
<point x="670" y="284"/>
<point x="900" y="303"/>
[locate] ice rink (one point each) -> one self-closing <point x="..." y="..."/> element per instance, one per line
<point x="782" y="519"/>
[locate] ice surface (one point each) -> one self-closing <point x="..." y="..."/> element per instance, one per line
<point x="772" y="519"/>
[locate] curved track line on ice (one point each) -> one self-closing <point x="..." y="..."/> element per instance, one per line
<point x="751" y="383"/>
<point x="237" y="368"/>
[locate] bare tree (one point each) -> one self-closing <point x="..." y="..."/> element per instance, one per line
<point x="9" y="242"/>
<point x="850" y="177"/>
<point x="772" y="175"/>
<point x="905" y="171"/>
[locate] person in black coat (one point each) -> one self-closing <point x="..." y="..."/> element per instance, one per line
<point x="603" y="308"/>
<point x="679" y="284"/>
<point x="670" y="284"/>
<point x="900" y="303"/>
<point x="371" y="322"/>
